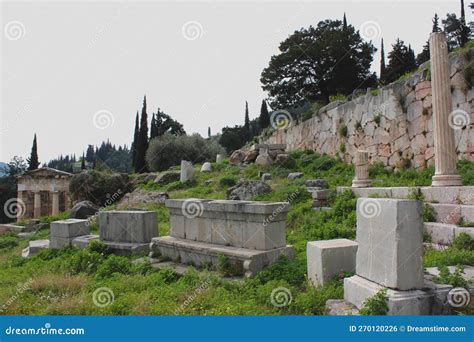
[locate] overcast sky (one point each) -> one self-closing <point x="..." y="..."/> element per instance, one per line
<point x="75" y="73"/>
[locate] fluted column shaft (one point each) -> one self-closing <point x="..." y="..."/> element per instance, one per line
<point x="444" y="145"/>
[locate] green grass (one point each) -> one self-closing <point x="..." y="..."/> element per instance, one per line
<point x="63" y="282"/>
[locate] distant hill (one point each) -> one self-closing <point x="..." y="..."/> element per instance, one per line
<point x="2" y="165"/>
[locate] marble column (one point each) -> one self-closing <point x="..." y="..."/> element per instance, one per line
<point x="21" y="209"/>
<point x="55" y="206"/>
<point x="361" y="179"/>
<point x="37" y="205"/>
<point x="444" y="145"/>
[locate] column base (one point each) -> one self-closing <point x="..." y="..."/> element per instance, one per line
<point x="361" y="183"/>
<point x="446" y="180"/>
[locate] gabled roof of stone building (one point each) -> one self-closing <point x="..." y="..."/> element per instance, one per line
<point x="45" y="172"/>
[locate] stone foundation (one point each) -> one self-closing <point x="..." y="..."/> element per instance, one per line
<point x="251" y="235"/>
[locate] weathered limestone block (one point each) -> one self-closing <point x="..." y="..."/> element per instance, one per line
<point x="206" y="167"/>
<point x="244" y="224"/>
<point x="389" y="234"/>
<point x="295" y="175"/>
<point x="328" y="258"/>
<point x="132" y="226"/>
<point x="63" y="232"/>
<point x="219" y="158"/>
<point x="34" y="247"/>
<point x="187" y="171"/>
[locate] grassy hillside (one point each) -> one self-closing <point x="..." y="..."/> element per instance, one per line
<point x="64" y="281"/>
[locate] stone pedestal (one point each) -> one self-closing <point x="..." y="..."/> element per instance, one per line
<point x="329" y="258"/>
<point x="187" y="171"/>
<point x="219" y="158"/>
<point x="37" y="205"/>
<point x="389" y="256"/>
<point x="55" y="204"/>
<point x="64" y="231"/>
<point x="444" y="144"/>
<point x="361" y="179"/>
<point x="133" y="226"/>
<point x="251" y="235"/>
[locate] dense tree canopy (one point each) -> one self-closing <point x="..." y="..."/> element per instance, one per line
<point x="317" y="62"/>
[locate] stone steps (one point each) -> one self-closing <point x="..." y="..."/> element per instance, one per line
<point x="453" y="213"/>
<point x="200" y="254"/>
<point x="445" y="233"/>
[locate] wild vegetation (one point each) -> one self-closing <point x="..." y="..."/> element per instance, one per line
<point x="63" y="281"/>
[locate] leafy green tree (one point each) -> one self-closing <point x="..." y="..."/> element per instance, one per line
<point x="33" y="162"/>
<point x="400" y="61"/>
<point x="457" y="33"/>
<point x="317" y="62"/>
<point x="232" y="138"/>
<point x="166" y="124"/>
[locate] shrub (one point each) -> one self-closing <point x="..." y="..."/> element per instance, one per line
<point x="464" y="242"/>
<point x="114" y="264"/>
<point x="85" y="261"/>
<point x="8" y="241"/>
<point x="227" y="181"/>
<point x="375" y="305"/>
<point x="343" y="131"/>
<point x="101" y="188"/>
<point x="358" y="126"/>
<point x="168" y="150"/>
<point x="377" y="119"/>
<point x="446" y="277"/>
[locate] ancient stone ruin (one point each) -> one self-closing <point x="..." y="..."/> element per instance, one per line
<point x="44" y="192"/>
<point x="250" y="235"/>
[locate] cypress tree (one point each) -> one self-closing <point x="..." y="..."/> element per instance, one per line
<point x="142" y="146"/>
<point x="83" y="162"/>
<point x="344" y="22"/>
<point x="247" y="121"/>
<point x="153" y="127"/>
<point x="464" y="30"/>
<point x="264" y="118"/>
<point x="209" y="132"/>
<point x="135" y="142"/>
<point x="382" y="62"/>
<point x="436" y="23"/>
<point x="33" y="161"/>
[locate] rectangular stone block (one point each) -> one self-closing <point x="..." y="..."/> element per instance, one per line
<point x="389" y="234"/>
<point x="243" y="224"/>
<point x="59" y="242"/>
<point x="328" y="258"/>
<point x="132" y="226"/>
<point x="69" y="228"/>
<point x="413" y="302"/>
